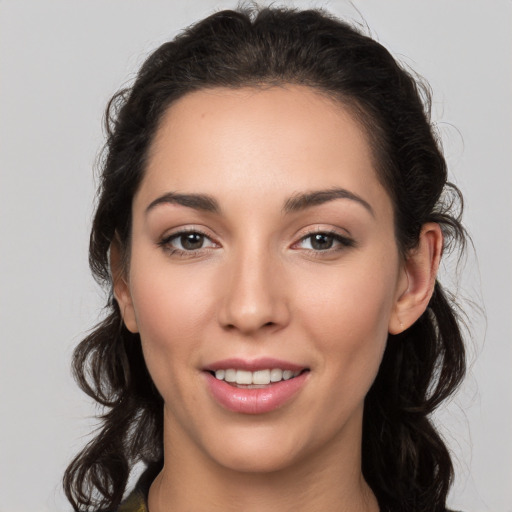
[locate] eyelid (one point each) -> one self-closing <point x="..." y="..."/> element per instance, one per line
<point x="183" y="230"/>
<point x="346" y="241"/>
<point x="341" y="241"/>
<point x="165" y="241"/>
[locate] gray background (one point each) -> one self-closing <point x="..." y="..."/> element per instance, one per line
<point x="59" y="63"/>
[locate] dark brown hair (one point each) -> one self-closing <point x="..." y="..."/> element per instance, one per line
<point x="405" y="461"/>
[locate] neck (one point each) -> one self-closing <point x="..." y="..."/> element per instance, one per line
<point x="329" y="480"/>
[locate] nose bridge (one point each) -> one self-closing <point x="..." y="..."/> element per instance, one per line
<point x="254" y="296"/>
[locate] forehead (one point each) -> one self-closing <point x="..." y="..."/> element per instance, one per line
<point x="254" y="141"/>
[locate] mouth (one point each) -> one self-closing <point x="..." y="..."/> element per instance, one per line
<point x="258" y="379"/>
<point x="255" y="386"/>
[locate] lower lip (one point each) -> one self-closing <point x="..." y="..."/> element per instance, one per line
<point x="255" y="400"/>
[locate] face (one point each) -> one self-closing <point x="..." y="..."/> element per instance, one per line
<point x="263" y="275"/>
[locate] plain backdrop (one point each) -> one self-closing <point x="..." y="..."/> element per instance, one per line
<point x="59" y="63"/>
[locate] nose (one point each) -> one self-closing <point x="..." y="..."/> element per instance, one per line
<point x="255" y="294"/>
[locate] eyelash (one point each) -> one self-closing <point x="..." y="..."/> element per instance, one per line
<point x="342" y="241"/>
<point x="165" y="243"/>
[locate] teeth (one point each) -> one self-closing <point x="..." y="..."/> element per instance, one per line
<point x="230" y="376"/>
<point x="243" y="377"/>
<point x="259" y="377"/>
<point x="276" y="375"/>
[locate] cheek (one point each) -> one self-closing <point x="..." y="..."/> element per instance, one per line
<point x="171" y="309"/>
<point x="347" y="314"/>
<point x="162" y="312"/>
<point x="351" y="301"/>
<point x="168" y="299"/>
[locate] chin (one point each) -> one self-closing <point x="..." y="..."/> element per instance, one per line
<point x="257" y="461"/>
<point x="266" y="449"/>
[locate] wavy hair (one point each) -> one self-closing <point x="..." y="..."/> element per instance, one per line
<point x="405" y="460"/>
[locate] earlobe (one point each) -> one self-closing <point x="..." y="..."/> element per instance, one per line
<point x="419" y="275"/>
<point x="121" y="286"/>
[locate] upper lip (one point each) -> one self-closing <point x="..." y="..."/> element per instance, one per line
<point x="253" y="365"/>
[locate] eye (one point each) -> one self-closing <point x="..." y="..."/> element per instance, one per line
<point x="324" y="241"/>
<point x="187" y="241"/>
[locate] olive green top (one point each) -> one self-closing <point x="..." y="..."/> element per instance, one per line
<point x="135" y="502"/>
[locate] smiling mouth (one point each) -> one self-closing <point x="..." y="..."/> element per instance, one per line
<point x="257" y="379"/>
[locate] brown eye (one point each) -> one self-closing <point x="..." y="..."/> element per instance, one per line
<point x="324" y="241"/>
<point x="321" y="241"/>
<point x="191" y="241"/>
<point x="187" y="241"/>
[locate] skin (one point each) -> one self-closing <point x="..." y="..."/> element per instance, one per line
<point x="258" y="287"/>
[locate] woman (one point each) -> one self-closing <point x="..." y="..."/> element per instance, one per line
<point x="272" y="213"/>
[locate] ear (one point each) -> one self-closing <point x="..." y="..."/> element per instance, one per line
<point x="122" y="292"/>
<point x="418" y="278"/>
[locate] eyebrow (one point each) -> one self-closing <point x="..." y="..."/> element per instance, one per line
<point x="297" y="202"/>
<point x="306" y="200"/>
<point x="197" y="201"/>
